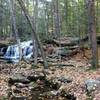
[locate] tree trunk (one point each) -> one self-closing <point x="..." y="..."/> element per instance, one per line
<point x="1" y="17"/>
<point x="66" y="14"/>
<point x="14" y="27"/>
<point x="35" y="16"/>
<point x="46" y="15"/>
<point x="56" y="18"/>
<point x="92" y="31"/>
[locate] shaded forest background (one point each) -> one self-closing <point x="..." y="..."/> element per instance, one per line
<point x="71" y="21"/>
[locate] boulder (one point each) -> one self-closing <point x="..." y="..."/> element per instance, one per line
<point x="92" y="84"/>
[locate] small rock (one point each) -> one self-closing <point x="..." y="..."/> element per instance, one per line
<point x="55" y="93"/>
<point x="20" y="85"/>
<point x="64" y="80"/>
<point x="33" y="86"/>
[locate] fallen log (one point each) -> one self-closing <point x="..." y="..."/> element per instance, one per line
<point x="61" y="43"/>
<point x="69" y="41"/>
<point x="66" y="41"/>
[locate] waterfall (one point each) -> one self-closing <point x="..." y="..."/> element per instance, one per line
<point x="12" y="53"/>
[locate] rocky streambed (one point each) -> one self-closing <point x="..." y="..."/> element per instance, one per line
<point x="38" y="87"/>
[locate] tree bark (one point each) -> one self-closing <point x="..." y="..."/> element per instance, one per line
<point x="14" y="27"/>
<point x="56" y="18"/>
<point x="35" y="18"/>
<point x="92" y="31"/>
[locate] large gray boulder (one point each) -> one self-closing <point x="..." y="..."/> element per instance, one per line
<point x="92" y="84"/>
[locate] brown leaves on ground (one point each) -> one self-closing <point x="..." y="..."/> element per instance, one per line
<point x="79" y="73"/>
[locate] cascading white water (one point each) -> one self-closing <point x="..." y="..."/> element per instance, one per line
<point x="12" y="53"/>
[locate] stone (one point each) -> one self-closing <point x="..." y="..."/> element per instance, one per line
<point x="64" y="80"/>
<point x="92" y="84"/>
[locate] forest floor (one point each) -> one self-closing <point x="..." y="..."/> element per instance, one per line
<point x="78" y="71"/>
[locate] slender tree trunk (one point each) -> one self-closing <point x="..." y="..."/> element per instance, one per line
<point x="1" y="17"/>
<point x="52" y="15"/>
<point x="92" y="31"/>
<point x="35" y="16"/>
<point x="78" y="23"/>
<point x="56" y="18"/>
<point x="66" y="13"/>
<point x="46" y="19"/>
<point x="34" y="35"/>
<point x="14" y="27"/>
<point x="97" y="15"/>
